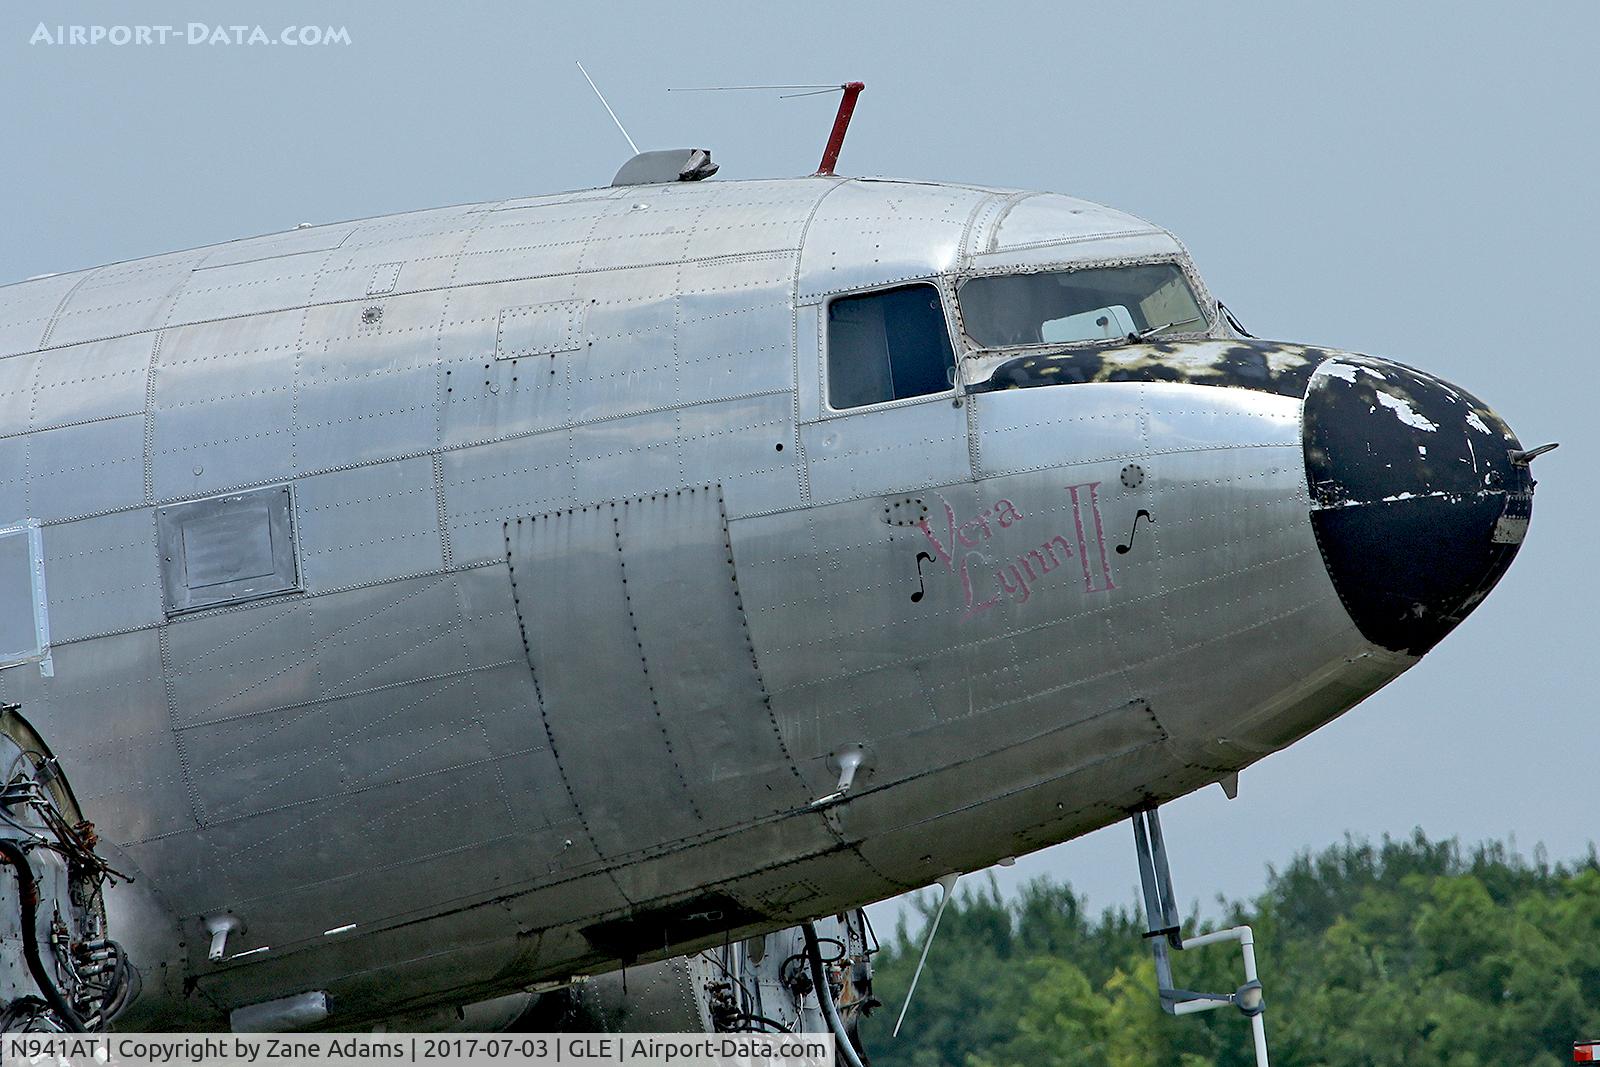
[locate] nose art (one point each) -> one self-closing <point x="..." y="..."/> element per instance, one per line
<point x="1420" y="497"/>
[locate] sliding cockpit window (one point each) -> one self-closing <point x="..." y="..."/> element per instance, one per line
<point x="1090" y="304"/>
<point x="888" y="345"/>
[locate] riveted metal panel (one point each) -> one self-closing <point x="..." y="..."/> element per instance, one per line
<point x="109" y="727"/>
<point x="430" y="254"/>
<point x="1007" y="751"/>
<point x="99" y="380"/>
<point x="486" y="399"/>
<point x="383" y="279"/>
<point x="104" y="575"/>
<point x="1049" y="218"/>
<point x="472" y="318"/>
<point x="754" y="217"/>
<point x="1109" y="420"/>
<point x="1064" y="424"/>
<point x="74" y="470"/>
<point x="417" y="732"/>
<point x="14" y="480"/>
<point x="372" y="857"/>
<point x="250" y="288"/>
<point x="352" y="330"/>
<point x="489" y="619"/>
<point x="875" y="233"/>
<point x="568" y="572"/>
<point x="454" y="756"/>
<point x="829" y="593"/>
<point x="16" y="392"/>
<point x="136" y="303"/>
<point x="539" y="330"/>
<point x="297" y="755"/>
<point x="237" y="664"/>
<point x="735" y="341"/>
<point x="368" y="524"/>
<point x="489" y="400"/>
<point x="367" y="391"/>
<point x="608" y="289"/>
<point x="485" y="485"/>
<point x="219" y="342"/>
<point x="735" y="444"/>
<point x="276" y="663"/>
<point x="627" y="457"/>
<point x="1187" y="417"/>
<point x="287" y="244"/>
<point x="140" y="282"/>
<point x="537" y="239"/>
<point x="228" y="549"/>
<point x="224" y="405"/>
<point x="516" y="205"/>
<point x="630" y="362"/>
<point x="27" y="308"/>
<point x="390" y="633"/>
<point x="632" y="235"/>
<point x="705" y="685"/>
<point x="428" y="224"/>
<point x="885" y="450"/>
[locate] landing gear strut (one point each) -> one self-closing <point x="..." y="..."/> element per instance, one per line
<point x="1165" y="933"/>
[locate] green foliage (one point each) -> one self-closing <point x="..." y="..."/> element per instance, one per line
<point x="1409" y="952"/>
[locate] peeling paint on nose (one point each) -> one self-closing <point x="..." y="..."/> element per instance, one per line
<point x="1417" y="505"/>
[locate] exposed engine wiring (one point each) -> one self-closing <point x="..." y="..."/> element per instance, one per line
<point x="13" y="854"/>
<point x="824" y="991"/>
<point x="88" y="980"/>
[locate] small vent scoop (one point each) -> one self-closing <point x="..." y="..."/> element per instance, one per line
<point x="666" y="165"/>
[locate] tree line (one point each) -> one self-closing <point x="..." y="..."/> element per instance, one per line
<point x="1406" y="952"/>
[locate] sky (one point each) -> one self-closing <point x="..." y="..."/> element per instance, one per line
<point x="1413" y="181"/>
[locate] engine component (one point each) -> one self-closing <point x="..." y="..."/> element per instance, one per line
<point x="763" y="984"/>
<point x="59" y="971"/>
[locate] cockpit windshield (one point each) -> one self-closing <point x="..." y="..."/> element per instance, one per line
<point x="1089" y="304"/>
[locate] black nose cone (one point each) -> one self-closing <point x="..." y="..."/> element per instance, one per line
<point x="1417" y="504"/>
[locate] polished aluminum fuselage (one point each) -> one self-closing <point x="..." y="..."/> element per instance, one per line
<point x="596" y="588"/>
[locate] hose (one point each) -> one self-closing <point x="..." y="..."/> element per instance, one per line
<point x="830" y="1011"/>
<point x="10" y="853"/>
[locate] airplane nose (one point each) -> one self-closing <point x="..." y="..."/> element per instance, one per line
<point x="1420" y="497"/>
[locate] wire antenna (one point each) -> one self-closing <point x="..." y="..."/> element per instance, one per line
<point x="841" y="122"/>
<point x="810" y="90"/>
<point x="607" y="106"/>
<point x="748" y="88"/>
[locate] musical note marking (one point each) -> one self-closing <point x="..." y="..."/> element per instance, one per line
<point x="916" y="598"/>
<point x="1123" y="550"/>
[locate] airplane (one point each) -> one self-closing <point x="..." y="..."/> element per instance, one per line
<point x="438" y="615"/>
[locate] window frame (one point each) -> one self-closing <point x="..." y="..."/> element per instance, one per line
<point x="179" y="599"/>
<point x="940" y="284"/>
<point x="1203" y="299"/>
<point x="31" y="534"/>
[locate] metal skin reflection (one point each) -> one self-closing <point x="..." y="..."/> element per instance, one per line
<point x="591" y="586"/>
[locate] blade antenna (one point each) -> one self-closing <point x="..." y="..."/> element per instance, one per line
<point x="948" y="884"/>
<point x="607" y="106"/>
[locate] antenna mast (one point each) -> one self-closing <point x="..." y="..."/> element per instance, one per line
<point x="607" y="106"/>
<point x="841" y="123"/>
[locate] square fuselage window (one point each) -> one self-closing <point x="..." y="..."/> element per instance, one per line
<point x="24" y="633"/>
<point x="228" y="549"/>
<point x="888" y="345"/>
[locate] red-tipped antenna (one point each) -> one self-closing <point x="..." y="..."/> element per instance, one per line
<point x="841" y="123"/>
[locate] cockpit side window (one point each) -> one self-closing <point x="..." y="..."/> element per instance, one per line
<point x="887" y="345"/>
<point x="1087" y="304"/>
